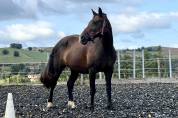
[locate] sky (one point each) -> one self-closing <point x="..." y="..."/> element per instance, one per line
<point x="135" y="23"/>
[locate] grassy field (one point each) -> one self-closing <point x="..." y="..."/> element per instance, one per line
<point x="37" y="56"/>
<point x="25" y="56"/>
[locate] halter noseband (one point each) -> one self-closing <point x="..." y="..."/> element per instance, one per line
<point x="104" y="24"/>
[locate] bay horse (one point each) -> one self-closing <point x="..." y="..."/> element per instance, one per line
<point x="88" y="53"/>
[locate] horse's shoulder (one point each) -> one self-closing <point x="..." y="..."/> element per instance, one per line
<point x="71" y="37"/>
<point x="65" y="41"/>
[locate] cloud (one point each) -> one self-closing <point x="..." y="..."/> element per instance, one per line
<point x="30" y="9"/>
<point x="142" y="21"/>
<point x="22" y="32"/>
<point x="138" y="35"/>
<point x="18" y="9"/>
<point x="9" y="10"/>
<point x="61" y="34"/>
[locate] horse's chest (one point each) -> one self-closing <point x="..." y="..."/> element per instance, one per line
<point x="104" y="62"/>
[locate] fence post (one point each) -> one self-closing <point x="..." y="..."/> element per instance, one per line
<point x="81" y="79"/>
<point x="159" y="72"/>
<point x="47" y="56"/>
<point x="143" y="64"/>
<point x="2" y="71"/>
<point x="170" y="65"/>
<point x="100" y="76"/>
<point x="118" y="63"/>
<point x="134" y="64"/>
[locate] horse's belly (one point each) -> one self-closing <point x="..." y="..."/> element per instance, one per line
<point x="78" y="64"/>
<point x="79" y="69"/>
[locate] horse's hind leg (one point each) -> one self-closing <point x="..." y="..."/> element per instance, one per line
<point x="50" y="99"/>
<point x="70" y="85"/>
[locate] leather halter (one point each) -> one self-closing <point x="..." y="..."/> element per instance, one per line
<point x="100" y="33"/>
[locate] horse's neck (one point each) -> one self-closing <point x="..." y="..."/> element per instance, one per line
<point x="108" y="41"/>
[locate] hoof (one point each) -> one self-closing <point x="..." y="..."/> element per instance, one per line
<point x="50" y="104"/>
<point x="71" y="104"/>
<point x="110" y="107"/>
<point x="92" y="109"/>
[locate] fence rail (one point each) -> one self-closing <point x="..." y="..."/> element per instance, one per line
<point x="133" y="67"/>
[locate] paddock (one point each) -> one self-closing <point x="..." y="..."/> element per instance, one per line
<point x="147" y="92"/>
<point x="156" y="98"/>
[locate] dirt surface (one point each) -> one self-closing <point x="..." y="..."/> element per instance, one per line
<point x="130" y="100"/>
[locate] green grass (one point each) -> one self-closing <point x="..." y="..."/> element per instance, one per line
<point x="36" y="56"/>
<point x="25" y="56"/>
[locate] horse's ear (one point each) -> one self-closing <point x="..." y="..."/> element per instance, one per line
<point x="100" y="11"/>
<point x="94" y="13"/>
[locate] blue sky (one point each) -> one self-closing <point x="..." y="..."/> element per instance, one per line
<point x="135" y="23"/>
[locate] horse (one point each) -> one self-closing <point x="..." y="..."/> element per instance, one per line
<point x="88" y="53"/>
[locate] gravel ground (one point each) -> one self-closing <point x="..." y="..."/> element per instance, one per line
<point x="130" y="100"/>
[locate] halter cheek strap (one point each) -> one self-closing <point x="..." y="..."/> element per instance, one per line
<point x="101" y="32"/>
<point x="104" y="24"/>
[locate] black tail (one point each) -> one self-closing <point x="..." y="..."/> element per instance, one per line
<point x="53" y="69"/>
<point x="48" y="77"/>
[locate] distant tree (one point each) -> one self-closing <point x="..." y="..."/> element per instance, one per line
<point x="40" y="50"/>
<point x="127" y="49"/>
<point x="150" y="48"/>
<point x="17" y="68"/>
<point x="16" y="45"/>
<point x="147" y="55"/>
<point x="5" y="52"/>
<point x="159" y="48"/>
<point x="126" y="65"/>
<point x="16" y="54"/>
<point x="30" y="48"/>
<point x="138" y="49"/>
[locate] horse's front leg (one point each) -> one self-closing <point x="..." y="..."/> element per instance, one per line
<point x="108" y="76"/>
<point x="92" y="77"/>
<point x="70" y="85"/>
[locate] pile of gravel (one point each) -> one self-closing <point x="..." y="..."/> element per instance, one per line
<point x="129" y="100"/>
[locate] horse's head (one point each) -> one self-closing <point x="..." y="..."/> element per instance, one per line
<point x="96" y="27"/>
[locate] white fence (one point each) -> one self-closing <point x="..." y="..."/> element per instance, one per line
<point x="133" y="67"/>
<point x="165" y="66"/>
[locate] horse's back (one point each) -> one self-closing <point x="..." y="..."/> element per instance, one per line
<point x="70" y="52"/>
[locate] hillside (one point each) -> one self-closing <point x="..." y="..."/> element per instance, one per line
<point x="174" y="51"/>
<point x="25" y="56"/>
<point x="36" y="56"/>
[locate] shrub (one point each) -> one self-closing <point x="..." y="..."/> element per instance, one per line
<point x="16" y="54"/>
<point x="5" y="52"/>
<point x="40" y="50"/>
<point x="17" y="79"/>
<point x="16" y="45"/>
<point x="30" y="48"/>
<point x="16" y="68"/>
